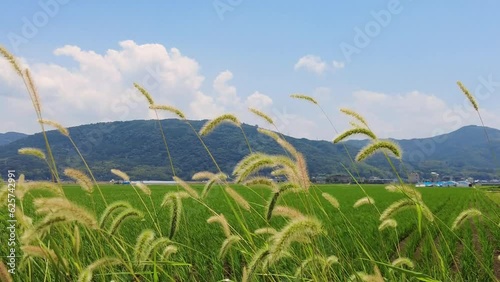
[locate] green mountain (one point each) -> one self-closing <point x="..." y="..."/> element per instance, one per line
<point x="137" y="147"/>
<point x="6" y="138"/>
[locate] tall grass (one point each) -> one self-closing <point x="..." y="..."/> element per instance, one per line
<point x="269" y="232"/>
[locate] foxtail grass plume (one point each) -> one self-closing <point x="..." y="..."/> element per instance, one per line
<point x="425" y="211"/>
<point x="120" y="174"/>
<point x="304" y="97"/>
<point x="216" y="178"/>
<point x="288" y="212"/>
<point x="32" y="152"/>
<point x="256" y="261"/>
<point x="263" y="181"/>
<point x="376" y="277"/>
<point x="121" y="217"/>
<point x="282" y="142"/>
<point x="202" y="175"/>
<point x="355" y="115"/>
<point x="372" y="148"/>
<point x="221" y="219"/>
<point x="296" y="230"/>
<point x="315" y="260"/>
<point x="247" y="160"/>
<point x="332" y="260"/>
<point x="81" y="178"/>
<point x="265" y="230"/>
<point x="186" y="187"/>
<point x="469" y="96"/>
<point x="174" y="200"/>
<point x="364" y="201"/>
<point x="320" y="261"/>
<point x="388" y="223"/>
<point x="272" y="204"/>
<point x="170" y="109"/>
<point x="262" y="115"/>
<point x="396" y="207"/>
<point x="406" y="190"/>
<point x="34" y="92"/>
<point x="87" y="274"/>
<point x="56" y="206"/>
<point x="227" y="244"/>
<point x="4" y="273"/>
<point x="64" y="215"/>
<point x="145" y="93"/>
<point x="41" y="228"/>
<point x="39" y="252"/>
<point x="24" y="221"/>
<point x="355" y="124"/>
<point x="212" y="124"/>
<point x="463" y="216"/>
<point x="77" y="239"/>
<point x="354" y="131"/>
<point x="168" y="251"/>
<point x="110" y="209"/>
<point x="402" y="261"/>
<point x="23" y="189"/>
<point x="11" y="59"/>
<point x="143" y="241"/>
<point x="303" y="174"/>
<point x="238" y="198"/>
<point x="252" y="163"/>
<point x="332" y="200"/>
<point x="144" y="188"/>
<point x="153" y="246"/>
<point x="63" y="130"/>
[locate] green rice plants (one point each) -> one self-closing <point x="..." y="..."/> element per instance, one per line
<point x="280" y="229"/>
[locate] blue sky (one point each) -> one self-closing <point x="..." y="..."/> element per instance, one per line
<point x="402" y="78"/>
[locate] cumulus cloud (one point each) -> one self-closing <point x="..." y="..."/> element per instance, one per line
<point x="259" y="101"/>
<point x="311" y="63"/>
<point x="99" y="87"/>
<point x="413" y="114"/>
<point x="226" y="93"/>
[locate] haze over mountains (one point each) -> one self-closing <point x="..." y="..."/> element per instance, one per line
<point x="137" y="147"/>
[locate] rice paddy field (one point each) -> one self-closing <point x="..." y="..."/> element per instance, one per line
<point x="260" y="231"/>
<point x="350" y="234"/>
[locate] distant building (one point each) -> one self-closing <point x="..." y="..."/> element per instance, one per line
<point x="435" y="176"/>
<point x="414" y="177"/>
<point x="338" y="178"/>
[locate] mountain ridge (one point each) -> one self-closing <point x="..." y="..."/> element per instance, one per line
<point x="137" y="148"/>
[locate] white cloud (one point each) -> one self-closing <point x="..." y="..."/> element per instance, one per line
<point x="338" y="65"/>
<point x="258" y="100"/>
<point x="413" y="114"/>
<point x="311" y="63"/>
<point x="100" y="88"/>
<point x="227" y="93"/>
